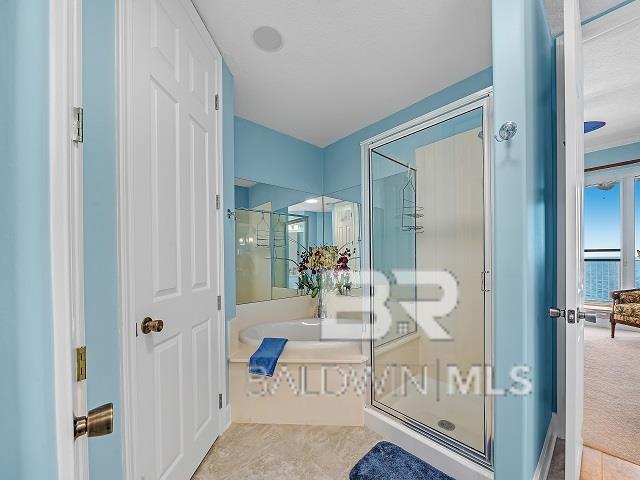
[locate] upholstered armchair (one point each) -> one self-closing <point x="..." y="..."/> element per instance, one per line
<point x="626" y="309"/>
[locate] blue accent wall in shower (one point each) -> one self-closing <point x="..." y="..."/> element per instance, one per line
<point x="524" y="211"/>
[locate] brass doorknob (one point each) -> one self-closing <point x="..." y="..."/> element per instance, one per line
<point x="150" y="325"/>
<point x="98" y="422"/>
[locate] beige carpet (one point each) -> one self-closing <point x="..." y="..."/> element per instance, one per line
<point x="612" y="393"/>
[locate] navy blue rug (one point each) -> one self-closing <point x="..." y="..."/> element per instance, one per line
<point x="387" y="461"/>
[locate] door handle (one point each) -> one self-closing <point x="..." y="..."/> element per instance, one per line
<point x="98" y="422"/>
<point x="555" y="312"/>
<point x="150" y="325"/>
<point x="587" y="317"/>
<point x="570" y="315"/>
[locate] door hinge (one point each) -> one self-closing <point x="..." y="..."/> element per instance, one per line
<point x="219" y="401"/>
<point x="216" y="102"/>
<point x="217" y="202"/>
<point x="78" y="124"/>
<point x="81" y="363"/>
<point x="219" y="302"/>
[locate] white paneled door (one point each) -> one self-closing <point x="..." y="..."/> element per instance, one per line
<point x="574" y="257"/>
<point x="173" y="237"/>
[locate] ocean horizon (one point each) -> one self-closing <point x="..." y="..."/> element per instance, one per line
<point x="601" y="276"/>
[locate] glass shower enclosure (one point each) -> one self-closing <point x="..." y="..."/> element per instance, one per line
<point x="429" y="231"/>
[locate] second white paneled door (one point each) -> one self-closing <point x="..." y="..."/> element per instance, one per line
<point x="173" y="237"/>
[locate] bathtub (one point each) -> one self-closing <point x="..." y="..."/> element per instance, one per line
<point x="304" y="338"/>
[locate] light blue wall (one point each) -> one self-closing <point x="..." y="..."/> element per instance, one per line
<point x="404" y="149"/>
<point x="9" y="448"/>
<point x="266" y="156"/>
<point x="612" y="155"/>
<point x="100" y="230"/>
<point x="241" y="197"/>
<point x="27" y="435"/>
<point x="522" y="72"/>
<point x="228" y="159"/>
<point x="342" y="158"/>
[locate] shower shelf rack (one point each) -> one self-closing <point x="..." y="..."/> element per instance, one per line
<point x="262" y="232"/>
<point x="410" y="210"/>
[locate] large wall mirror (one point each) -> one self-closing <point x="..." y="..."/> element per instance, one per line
<point x="275" y="225"/>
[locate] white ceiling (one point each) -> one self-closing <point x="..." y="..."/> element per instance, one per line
<point x="345" y="64"/>
<point x="612" y="86"/>
<point x="588" y="9"/>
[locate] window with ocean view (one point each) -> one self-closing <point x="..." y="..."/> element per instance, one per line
<point x="602" y="240"/>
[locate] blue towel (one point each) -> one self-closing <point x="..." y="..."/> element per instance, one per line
<point x="387" y="461"/>
<point x="264" y="360"/>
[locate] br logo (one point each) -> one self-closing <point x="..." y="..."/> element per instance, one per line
<point x="377" y="301"/>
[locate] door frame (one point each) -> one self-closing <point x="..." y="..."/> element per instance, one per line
<point x="127" y="320"/>
<point x="624" y="14"/>
<point x="66" y="232"/>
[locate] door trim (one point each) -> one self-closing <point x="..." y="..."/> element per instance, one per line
<point x="125" y="245"/>
<point x="66" y="224"/>
<point x="560" y="237"/>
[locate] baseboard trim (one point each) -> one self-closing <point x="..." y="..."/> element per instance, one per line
<point x="544" y="462"/>
<point x="225" y="418"/>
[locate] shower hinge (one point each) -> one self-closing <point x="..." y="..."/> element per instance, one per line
<point x="78" y="124"/>
<point x="217" y="202"/>
<point x="219" y="302"/>
<point x="216" y="101"/>
<point x="485" y="279"/>
<point x="219" y="401"/>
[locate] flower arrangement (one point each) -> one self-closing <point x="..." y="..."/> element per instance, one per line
<point x="324" y="268"/>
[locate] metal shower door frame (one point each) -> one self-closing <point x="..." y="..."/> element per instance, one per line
<point x="482" y="99"/>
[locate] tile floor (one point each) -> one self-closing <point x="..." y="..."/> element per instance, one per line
<point x="595" y="466"/>
<point x="285" y="452"/>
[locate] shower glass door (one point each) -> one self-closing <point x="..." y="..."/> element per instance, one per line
<point x="429" y="198"/>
